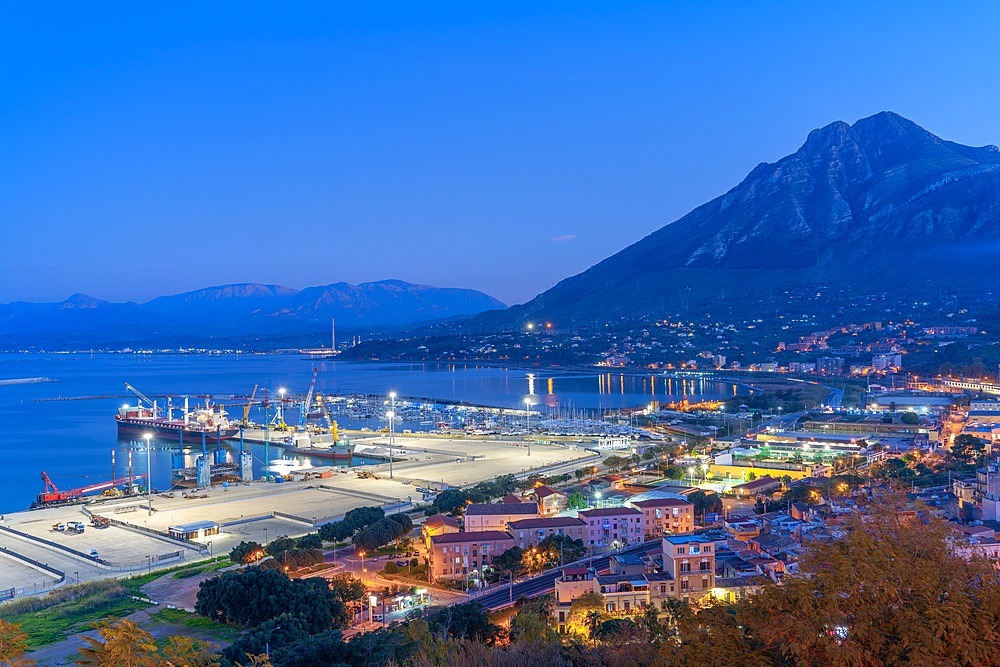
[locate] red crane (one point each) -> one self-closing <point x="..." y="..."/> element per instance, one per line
<point x="52" y="495"/>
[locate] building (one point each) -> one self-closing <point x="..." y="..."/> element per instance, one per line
<point x="830" y="365"/>
<point x="496" y="516"/>
<point x="613" y="527"/>
<point x="438" y="524"/>
<point x="528" y="533"/>
<point x="761" y="485"/>
<point x="550" y="501"/>
<point x="690" y="562"/>
<point x="662" y="516"/>
<point x="462" y="556"/>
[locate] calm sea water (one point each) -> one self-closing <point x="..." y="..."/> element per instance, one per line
<point x="72" y="440"/>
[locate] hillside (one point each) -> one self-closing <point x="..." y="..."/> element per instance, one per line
<point x="880" y="206"/>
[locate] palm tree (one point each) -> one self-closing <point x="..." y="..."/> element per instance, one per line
<point x="593" y="621"/>
<point x="13" y="645"/>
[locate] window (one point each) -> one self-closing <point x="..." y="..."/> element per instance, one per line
<point x="684" y="585"/>
<point x="704" y="582"/>
<point x="685" y="566"/>
<point x="708" y="548"/>
<point x="680" y="550"/>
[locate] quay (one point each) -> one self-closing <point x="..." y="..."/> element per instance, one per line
<point x="190" y="525"/>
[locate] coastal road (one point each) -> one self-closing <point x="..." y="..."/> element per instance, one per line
<point x="500" y="597"/>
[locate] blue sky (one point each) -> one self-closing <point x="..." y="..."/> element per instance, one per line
<point x="152" y="149"/>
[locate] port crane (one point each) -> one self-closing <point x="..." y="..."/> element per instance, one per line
<point x="246" y="408"/>
<point x="142" y="396"/>
<point x="52" y="495"/>
<point x="304" y="412"/>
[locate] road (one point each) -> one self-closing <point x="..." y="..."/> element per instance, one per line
<point x="545" y="582"/>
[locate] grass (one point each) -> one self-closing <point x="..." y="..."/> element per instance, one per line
<point x="135" y="583"/>
<point x="214" y="629"/>
<point x="202" y="568"/>
<point x="68" y="610"/>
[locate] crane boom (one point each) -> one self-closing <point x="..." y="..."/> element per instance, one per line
<point x="142" y="397"/>
<point x="246" y="408"/>
<point x="309" y="398"/>
<point x="52" y="494"/>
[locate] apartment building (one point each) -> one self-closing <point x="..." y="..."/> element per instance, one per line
<point x="529" y="532"/>
<point x="496" y="516"/>
<point x="665" y="516"/>
<point x="613" y="527"/>
<point x="462" y="556"/>
<point x="690" y="561"/>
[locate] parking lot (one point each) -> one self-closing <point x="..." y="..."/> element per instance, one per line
<point x="16" y="574"/>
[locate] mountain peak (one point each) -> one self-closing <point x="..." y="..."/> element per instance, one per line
<point x="80" y="300"/>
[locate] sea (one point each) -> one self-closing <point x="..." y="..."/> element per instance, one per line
<point x="72" y="439"/>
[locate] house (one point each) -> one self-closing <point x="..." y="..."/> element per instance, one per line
<point x="762" y="485"/>
<point x="462" y="556"/>
<point x="613" y="527"/>
<point x="743" y="529"/>
<point x="529" y="532"/>
<point x="438" y="524"/>
<point x="496" y="516"/>
<point x="662" y="516"/>
<point x="550" y="501"/>
<point x="690" y="560"/>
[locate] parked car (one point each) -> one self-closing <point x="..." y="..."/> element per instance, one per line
<point x="93" y="553"/>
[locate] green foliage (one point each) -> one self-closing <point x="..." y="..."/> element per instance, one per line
<point x="279" y="544"/>
<point x="464" y="621"/>
<point x="245" y="553"/>
<point x="705" y="502"/>
<point x="674" y="472"/>
<point x="310" y="541"/>
<point x="576" y="501"/>
<point x="968" y="448"/>
<point x="378" y="534"/>
<point x="510" y="561"/>
<point x="403" y="520"/>
<point x="293" y="559"/>
<point x="355" y="520"/>
<point x="532" y="623"/>
<point x="253" y="596"/>
<point x="909" y="418"/>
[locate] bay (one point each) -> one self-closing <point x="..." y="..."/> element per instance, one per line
<point x="72" y="440"/>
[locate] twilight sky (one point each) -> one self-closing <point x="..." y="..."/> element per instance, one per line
<point x="153" y="148"/>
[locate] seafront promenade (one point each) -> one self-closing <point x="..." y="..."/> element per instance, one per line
<point x="34" y="556"/>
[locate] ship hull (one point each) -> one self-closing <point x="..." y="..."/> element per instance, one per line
<point x="332" y="453"/>
<point x="137" y="428"/>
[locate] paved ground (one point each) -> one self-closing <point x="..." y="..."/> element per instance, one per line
<point x="16" y="574"/>
<point x="440" y="461"/>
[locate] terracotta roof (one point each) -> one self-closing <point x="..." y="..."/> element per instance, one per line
<point x="511" y="499"/>
<point x="662" y="502"/>
<point x="480" y="536"/>
<point x="575" y="570"/>
<point x="609" y="511"/>
<point x="546" y="522"/>
<point x="436" y="520"/>
<point x="490" y="509"/>
<point x="546" y="491"/>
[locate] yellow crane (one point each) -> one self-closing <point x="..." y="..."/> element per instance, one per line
<point x="246" y="408"/>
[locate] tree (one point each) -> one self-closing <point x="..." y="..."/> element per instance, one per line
<point x="279" y="544"/>
<point x="909" y="418"/>
<point x="121" y="643"/>
<point x="968" y="447"/>
<point x="533" y="623"/>
<point x="674" y="472"/>
<point x="310" y="541"/>
<point x="593" y="620"/>
<point x="245" y="553"/>
<point x="404" y="520"/>
<point x="705" y="502"/>
<point x="893" y="591"/>
<point x="188" y="652"/>
<point x="13" y="645"/>
<point x="576" y="501"/>
<point x="577" y="620"/>
<point x="450" y="500"/>
<point x="510" y="561"/>
<point x="464" y="621"/>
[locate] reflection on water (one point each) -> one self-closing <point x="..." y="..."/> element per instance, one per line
<point x="72" y="440"/>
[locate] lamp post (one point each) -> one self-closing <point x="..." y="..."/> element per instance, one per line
<point x="362" y="554"/>
<point x="281" y="407"/>
<point x="392" y="427"/>
<point x="372" y="600"/>
<point x="527" y="410"/>
<point x="149" y="477"/>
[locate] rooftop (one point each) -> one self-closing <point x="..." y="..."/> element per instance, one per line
<point x="609" y="511"/>
<point x="490" y="509"/>
<point x="475" y="536"/>
<point x="688" y="539"/>
<point x="546" y="522"/>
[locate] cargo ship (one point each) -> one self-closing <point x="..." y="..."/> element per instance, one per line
<point x="207" y="423"/>
<point x="320" y="447"/>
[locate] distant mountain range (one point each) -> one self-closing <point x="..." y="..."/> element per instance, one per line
<point x="878" y="206"/>
<point x="246" y="311"/>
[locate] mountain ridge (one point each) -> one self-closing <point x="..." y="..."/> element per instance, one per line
<point x="850" y="207"/>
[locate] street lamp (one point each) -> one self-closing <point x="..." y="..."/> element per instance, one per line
<point x="392" y="427"/>
<point x="149" y="477"/>
<point x="527" y="410"/>
<point x="691" y="473"/>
